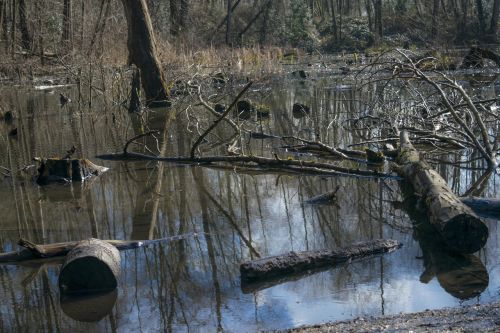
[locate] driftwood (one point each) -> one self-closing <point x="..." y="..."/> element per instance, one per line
<point x="294" y="262"/>
<point x="462" y="230"/>
<point x="33" y="251"/>
<point x="305" y="167"/>
<point x="91" y="266"/>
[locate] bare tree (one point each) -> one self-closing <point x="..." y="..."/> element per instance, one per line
<point x="142" y="50"/>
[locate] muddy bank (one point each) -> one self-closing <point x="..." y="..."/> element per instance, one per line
<point x="474" y="318"/>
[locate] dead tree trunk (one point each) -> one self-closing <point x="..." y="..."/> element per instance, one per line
<point x="23" y="26"/>
<point x="67" y="24"/>
<point x="92" y="266"/>
<point x="462" y="230"/>
<point x="294" y="262"/>
<point x="142" y="51"/>
<point x="495" y="17"/>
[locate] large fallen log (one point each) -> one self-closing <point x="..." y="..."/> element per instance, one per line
<point x="33" y="251"/>
<point x="462" y="230"/>
<point x="293" y="262"/>
<point x="91" y="266"/>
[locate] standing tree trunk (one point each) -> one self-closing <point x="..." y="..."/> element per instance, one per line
<point x="378" y="19"/>
<point x="67" y="25"/>
<point x="13" y="28"/>
<point x="435" y="13"/>
<point x="228" y="22"/>
<point x="142" y="51"/>
<point x="480" y="16"/>
<point x="23" y="26"/>
<point x="174" y="18"/>
<point x="494" y="27"/>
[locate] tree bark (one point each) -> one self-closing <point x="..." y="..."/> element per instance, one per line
<point x="23" y="26"/>
<point x="92" y="266"/>
<point x="143" y="53"/>
<point x="67" y="33"/>
<point x="294" y="262"/>
<point x="495" y="27"/>
<point x="462" y="230"/>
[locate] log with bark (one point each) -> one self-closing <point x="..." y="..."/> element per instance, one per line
<point x="461" y="229"/>
<point x="91" y="266"/>
<point x="294" y="262"/>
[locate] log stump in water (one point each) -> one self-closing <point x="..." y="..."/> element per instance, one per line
<point x="92" y="266"/>
<point x="57" y="170"/>
<point x="462" y="230"/>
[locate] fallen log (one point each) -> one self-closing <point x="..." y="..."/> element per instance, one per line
<point x="461" y="229"/>
<point x="91" y="266"/>
<point x="33" y="251"/>
<point x="294" y="262"/>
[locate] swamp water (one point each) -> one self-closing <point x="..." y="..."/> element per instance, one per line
<point x="194" y="284"/>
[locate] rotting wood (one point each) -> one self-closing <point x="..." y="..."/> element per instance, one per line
<point x="462" y="230"/>
<point x="66" y="170"/>
<point x="294" y="262"/>
<point x="91" y="266"/>
<point x="33" y="251"/>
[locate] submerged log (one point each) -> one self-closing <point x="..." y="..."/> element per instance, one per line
<point x="293" y="262"/>
<point x="92" y="266"/>
<point x="462" y="230"/>
<point x="66" y="170"/>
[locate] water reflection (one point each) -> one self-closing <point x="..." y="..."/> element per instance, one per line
<point x="88" y="308"/>
<point x="193" y="284"/>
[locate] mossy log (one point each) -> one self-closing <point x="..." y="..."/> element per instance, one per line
<point x="293" y="262"/>
<point x="92" y="266"/>
<point x="461" y="229"/>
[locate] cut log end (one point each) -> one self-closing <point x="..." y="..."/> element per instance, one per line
<point x="465" y="233"/>
<point x="92" y="266"/>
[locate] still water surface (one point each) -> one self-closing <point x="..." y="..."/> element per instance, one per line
<point x="193" y="285"/>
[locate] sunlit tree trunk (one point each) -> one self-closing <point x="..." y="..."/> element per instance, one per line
<point x="142" y="50"/>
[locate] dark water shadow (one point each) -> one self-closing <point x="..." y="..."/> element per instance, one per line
<point x="89" y="308"/>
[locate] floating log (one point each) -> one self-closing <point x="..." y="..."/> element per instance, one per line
<point x="462" y="230"/>
<point x="92" y="266"/>
<point x="293" y="262"/>
<point x="66" y="170"/>
<point x="33" y="251"/>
